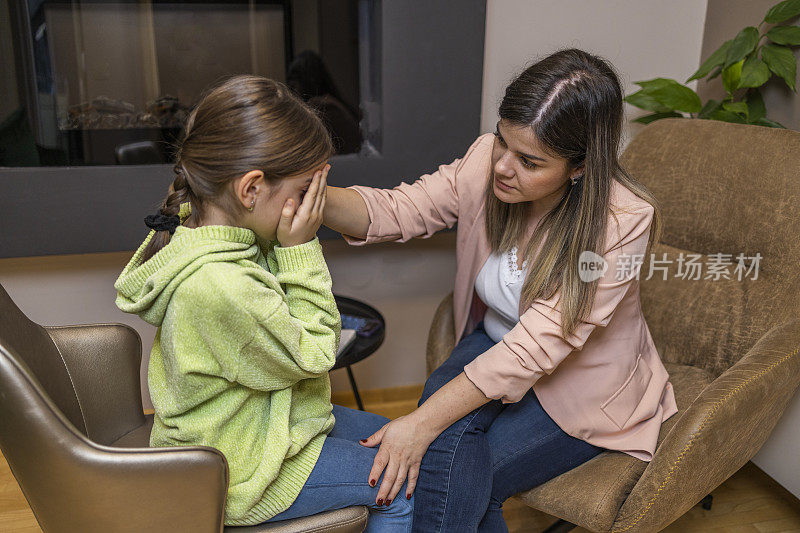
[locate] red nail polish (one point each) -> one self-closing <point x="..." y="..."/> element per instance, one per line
<point x="388" y="502"/>
<point x="408" y="496"/>
<point x="371" y="482"/>
<point x="362" y="440"/>
<point x="380" y="501"/>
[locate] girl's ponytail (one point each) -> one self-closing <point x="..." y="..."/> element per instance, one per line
<point x="179" y="192"/>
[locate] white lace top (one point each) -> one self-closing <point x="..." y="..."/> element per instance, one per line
<point x="499" y="285"/>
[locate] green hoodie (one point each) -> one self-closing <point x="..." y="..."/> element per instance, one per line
<point x="241" y="356"/>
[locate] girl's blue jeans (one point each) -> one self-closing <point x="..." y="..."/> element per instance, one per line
<point x="340" y="477"/>
<point x="493" y="453"/>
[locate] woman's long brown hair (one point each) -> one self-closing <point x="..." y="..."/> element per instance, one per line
<point x="572" y="100"/>
<point x="243" y="123"/>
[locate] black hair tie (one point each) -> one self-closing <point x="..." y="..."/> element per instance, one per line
<point x="161" y="222"/>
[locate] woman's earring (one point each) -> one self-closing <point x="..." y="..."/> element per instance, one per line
<point x="252" y="205"/>
<point x="574" y="179"/>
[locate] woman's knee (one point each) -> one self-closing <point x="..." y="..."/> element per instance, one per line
<point x="466" y="437"/>
<point x="500" y="492"/>
<point x="464" y="352"/>
<point x="440" y="377"/>
<point x="432" y="384"/>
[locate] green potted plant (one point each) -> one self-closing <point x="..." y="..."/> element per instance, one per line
<point x="745" y="64"/>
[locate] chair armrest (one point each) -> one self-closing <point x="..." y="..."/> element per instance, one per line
<point x="140" y="489"/>
<point x="74" y="484"/>
<point x="721" y="430"/>
<point x="441" y="336"/>
<point x="103" y="361"/>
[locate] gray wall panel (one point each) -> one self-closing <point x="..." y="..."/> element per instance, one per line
<point x="432" y="72"/>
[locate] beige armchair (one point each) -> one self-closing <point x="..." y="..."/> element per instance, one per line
<point x="75" y="437"/>
<point x="732" y="348"/>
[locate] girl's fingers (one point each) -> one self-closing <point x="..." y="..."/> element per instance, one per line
<point x="325" y="171"/>
<point x="322" y="202"/>
<point x="324" y="195"/>
<point x="311" y="196"/>
<point x="318" y="200"/>
<point x="287" y="214"/>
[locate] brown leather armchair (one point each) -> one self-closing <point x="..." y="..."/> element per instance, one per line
<point x="732" y="348"/>
<point x="76" y="439"/>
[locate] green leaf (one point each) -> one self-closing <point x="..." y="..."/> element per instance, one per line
<point x="671" y="94"/>
<point x="785" y="35"/>
<point x="755" y="103"/>
<point x="644" y="101"/>
<point x="731" y="76"/>
<point x="655" y="83"/>
<point x="714" y="60"/>
<point x="737" y="107"/>
<point x="755" y="72"/>
<point x="717" y="72"/>
<point x="742" y="45"/>
<point x="783" y="11"/>
<point x="780" y="60"/>
<point x="727" y="116"/>
<point x="647" y="119"/>
<point x="769" y="123"/>
<point x="711" y="106"/>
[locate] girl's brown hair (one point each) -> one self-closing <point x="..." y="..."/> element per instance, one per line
<point x="572" y="100"/>
<point x="243" y="123"/>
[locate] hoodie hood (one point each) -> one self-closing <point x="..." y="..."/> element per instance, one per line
<point x="145" y="288"/>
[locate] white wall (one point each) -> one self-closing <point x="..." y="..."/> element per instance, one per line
<point x="779" y="457"/>
<point x="643" y="39"/>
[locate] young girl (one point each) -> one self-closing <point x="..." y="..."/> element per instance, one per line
<point x="233" y="276"/>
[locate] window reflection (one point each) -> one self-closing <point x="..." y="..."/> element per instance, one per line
<point x="103" y="83"/>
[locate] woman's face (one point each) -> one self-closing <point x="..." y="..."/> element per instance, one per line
<point x="523" y="171"/>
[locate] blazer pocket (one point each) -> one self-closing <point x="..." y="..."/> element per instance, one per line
<point x="620" y="406"/>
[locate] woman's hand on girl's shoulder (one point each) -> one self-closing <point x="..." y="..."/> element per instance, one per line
<point x="298" y="225"/>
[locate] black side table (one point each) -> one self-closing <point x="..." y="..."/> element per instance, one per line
<point x="362" y="347"/>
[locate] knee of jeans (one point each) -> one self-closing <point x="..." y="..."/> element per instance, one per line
<point x="438" y="379"/>
<point x="432" y="384"/>
<point x="500" y="492"/>
<point x="400" y="506"/>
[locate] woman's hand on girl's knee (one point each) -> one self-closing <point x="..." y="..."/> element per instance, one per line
<point x="403" y="443"/>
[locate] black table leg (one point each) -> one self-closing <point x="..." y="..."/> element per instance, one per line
<point x="355" y="388"/>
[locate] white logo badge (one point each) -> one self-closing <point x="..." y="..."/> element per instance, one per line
<point x="591" y="266"/>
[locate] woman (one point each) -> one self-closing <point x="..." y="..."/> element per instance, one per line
<point x="562" y="365"/>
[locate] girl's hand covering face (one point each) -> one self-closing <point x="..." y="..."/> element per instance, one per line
<point x="299" y="225"/>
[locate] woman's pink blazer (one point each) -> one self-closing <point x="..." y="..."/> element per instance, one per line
<point x="605" y="383"/>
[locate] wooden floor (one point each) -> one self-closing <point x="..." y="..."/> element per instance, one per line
<point x="750" y="501"/>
